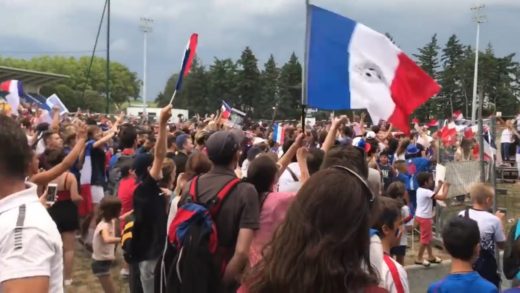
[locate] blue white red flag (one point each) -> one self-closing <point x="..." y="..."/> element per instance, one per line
<point x="187" y="60"/>
<point x="12" y="90"/>
<point x="279" y="133"/>
<point x="225" y="111"/>
<point x="351" y="66"/>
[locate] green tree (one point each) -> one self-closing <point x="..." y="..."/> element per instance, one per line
<point x="248" y="82"/>
<point x="428" y="59"/>
<point x="269" y="93"/>
<point x="124" y="83"/>
<point x="452" y="59"/>
<point x="289" y="102"/>
<point x="222" y="84"/>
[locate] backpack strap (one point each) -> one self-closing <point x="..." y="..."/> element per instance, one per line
<point x="216" y="203"/>
<point x="466" y="213"/>
<point x="193" y="188"/>
<point x="395" y="274"/>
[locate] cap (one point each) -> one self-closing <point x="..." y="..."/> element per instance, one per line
<point x="371" y="134"/>
<point x="141" y="164"/>
<point x="181" y="140"/>
<point x="221" y="146"/>
<point x="360" y="142"/>
<point x="412" y="149"/>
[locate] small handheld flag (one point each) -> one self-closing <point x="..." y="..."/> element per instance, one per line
<point x="351" y="66"/>
<point x="279" y="133"/>
<point x="12" y="90"/>
<point x="187" y="60"/>
<point x="225" y="111"/>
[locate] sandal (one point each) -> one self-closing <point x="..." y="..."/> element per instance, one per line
<point x="435" y="260"/>
<point x="424" y="263"/>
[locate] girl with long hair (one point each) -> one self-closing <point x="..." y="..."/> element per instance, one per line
<point x="323" y="244"/>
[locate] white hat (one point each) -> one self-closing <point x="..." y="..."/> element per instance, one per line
<point x="371" y="134"/>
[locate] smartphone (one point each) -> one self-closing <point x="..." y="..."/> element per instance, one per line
<point x="52" y="190"/>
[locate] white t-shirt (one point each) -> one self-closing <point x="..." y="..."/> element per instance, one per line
<point x="507" y="136"/>
<point x="405" y="213"/>
<point x="376" y="257"/>
<point x="388" y="281"/>
<point x="30" y="244"/>
<point x="100" y="249"/>
<point x="286" y="183"/>
<point x="490" y="228"/>
<point x="424" y="203"/>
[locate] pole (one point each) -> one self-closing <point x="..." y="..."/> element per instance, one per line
<point x="479" y="18"/>
<point x="145" y="50"/>
<point x="94" y="50"/>
<point x="481" y="143"/>
<point x="108" y="58"/>
<point x="475" y="77"/>
<point x="305" y="61"/>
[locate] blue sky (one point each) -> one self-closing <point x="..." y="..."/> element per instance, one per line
<point x="32" y="27"/>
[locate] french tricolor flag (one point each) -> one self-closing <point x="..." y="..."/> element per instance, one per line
<point x="350" y="66"/>
<point x="187" y="60"/>
<point x="279" y="133"/>
<point x="225" y="111"/>
<point x="12" y="90"/>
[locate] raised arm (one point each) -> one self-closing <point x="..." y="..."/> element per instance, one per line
<point x="160" y="147"/>
<point x="442" y="194"/>
<point x="55" y="124"/>
<point x="109" y="134"/>
<point x="331" y="135"/>
<point x="286" y="159"/>
<point x="301" y="155"/>
<point x="43" y="178"/>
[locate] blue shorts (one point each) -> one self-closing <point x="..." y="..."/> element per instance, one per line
<point x="398" y="250"/>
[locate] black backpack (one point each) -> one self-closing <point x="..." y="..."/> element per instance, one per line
<point x="192" y="261"/>
<point x="114" y="174"/>
<point x="511" y="259"/>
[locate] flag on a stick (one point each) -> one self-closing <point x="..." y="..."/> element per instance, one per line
<point x="12" y="90"/>
<point x="351" y="66"/>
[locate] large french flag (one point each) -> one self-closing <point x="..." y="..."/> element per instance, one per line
<point x="187" y="59"/>
<point x="12" y="90"/>
<point x="351" y="66"/>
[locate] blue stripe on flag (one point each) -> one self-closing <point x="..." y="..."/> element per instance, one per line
<point x="181" y="74"/>
<point x="328" y="64"/>
<point x="275" y="132"/>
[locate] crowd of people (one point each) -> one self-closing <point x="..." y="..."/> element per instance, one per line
<point x="199" y="207"/>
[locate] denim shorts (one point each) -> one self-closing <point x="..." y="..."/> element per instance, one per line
<point x="101" y="267"/>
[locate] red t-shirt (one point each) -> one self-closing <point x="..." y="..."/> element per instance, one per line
<point x="125" y="193"/>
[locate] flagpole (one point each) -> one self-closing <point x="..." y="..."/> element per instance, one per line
<point x="173" y="96"/>
<point x="305" y="62"/>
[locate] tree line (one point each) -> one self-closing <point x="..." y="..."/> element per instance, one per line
<point x="256" y="89"/>
<point x="78" y="91"/>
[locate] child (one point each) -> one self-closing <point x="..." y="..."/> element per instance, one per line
<point x="424" y="214"/>
<point x="461" y="239"/>
<point x="387" y="172"/>
<point x="104" y="241"/>
<point x="491" y="230"/>
<point x="397" y="191"/>
<point x="389" y="228"/>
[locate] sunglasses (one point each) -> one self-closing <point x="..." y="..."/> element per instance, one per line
<point x="360" y="179"/>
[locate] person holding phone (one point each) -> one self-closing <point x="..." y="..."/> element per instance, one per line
<point x="62" y="194"/>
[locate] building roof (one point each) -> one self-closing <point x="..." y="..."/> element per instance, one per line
<point x="29" y="77"/>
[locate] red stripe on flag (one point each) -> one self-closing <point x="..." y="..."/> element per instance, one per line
<point x="410" y="88"/>
<point x="192" y="47"/>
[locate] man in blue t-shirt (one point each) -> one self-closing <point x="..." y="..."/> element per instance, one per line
<point x="461" y="239"/>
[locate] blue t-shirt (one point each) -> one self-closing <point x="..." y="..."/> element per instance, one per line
<point x="415" y="166"/>
<point x="460" y="283"/>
